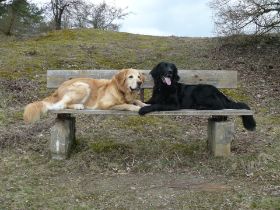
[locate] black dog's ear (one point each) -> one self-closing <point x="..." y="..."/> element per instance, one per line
<point x="175" y="70"/>
<point x="154" y="71"/>
<point x="177" y="78"/>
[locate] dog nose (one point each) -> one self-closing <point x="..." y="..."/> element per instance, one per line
<point x="139" y="83"/>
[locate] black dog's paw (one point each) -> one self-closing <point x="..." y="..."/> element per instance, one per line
<point x="144" y="110"/>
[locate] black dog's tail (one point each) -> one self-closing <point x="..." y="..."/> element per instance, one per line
<point x="248" y="120"/>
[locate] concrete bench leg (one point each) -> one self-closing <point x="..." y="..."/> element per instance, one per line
<point x="62" y="136"/>
<point x="220" y="135"/>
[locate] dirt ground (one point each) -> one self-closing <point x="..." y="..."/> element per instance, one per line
<point x="147" y="162"/>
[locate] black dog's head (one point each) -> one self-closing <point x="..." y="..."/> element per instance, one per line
<point x="166" y="73"/>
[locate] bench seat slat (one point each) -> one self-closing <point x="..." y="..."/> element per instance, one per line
<point x="185" y="112"/>
<point x="218" y="78"/>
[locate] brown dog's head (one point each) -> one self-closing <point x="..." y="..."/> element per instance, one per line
<point x="129" y="80"/>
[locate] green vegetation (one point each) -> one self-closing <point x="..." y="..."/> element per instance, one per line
<point x="137" y="162"/>
<point x="107" y="146"/>
<point x="236" y="94"/>
<point x="94" y="49"/>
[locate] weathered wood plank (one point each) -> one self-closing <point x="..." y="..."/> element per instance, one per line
<point x="218" y="78"/>
<point x="185" y="112"/>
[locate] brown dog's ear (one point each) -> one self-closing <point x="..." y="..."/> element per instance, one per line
<point x="143" y="77"/>
<point x="120" y="78"/>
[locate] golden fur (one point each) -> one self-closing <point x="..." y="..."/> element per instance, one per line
<point x="119" y="93"/>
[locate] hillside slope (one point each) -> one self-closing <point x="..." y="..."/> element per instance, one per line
<point x="87" y="49"/>
<point x="138" y="162"/>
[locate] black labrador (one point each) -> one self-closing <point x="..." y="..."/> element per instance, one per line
<point x="169" y="94"/>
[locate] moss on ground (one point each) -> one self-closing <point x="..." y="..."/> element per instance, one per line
<point x="141" y="123"/>
<point x="236" y="94"/>
<point x="2" y="117"/>
<point x="109" y="146"/>
<point x="266" y="202"/>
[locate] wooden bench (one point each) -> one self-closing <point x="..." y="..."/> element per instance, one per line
<point x="220" y="129"/>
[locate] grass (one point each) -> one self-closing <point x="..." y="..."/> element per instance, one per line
<point x="108" y="146"/>
<point x="136" y="162"/>
<point x="133" y="149"/>
<point x="91" y="49"/>
<point x="236" y="94"/>
<point x="266" y="203"/>
<point x="137" y="123"/>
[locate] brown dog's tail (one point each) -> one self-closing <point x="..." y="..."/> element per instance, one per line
<point x="33" y="111"/>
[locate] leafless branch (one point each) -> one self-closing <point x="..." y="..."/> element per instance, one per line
<point x="246" y="16"/>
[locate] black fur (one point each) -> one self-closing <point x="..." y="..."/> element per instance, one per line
<point x="177" y="95"/>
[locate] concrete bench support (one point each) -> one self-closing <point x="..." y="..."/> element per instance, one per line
<point x="220" y="135"/>
<point x="62" y="136"/>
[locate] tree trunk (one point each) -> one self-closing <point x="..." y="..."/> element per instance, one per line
<point x="58" y="19"/>
<point x="57" y="24"/>
<point x="10" y="25"/>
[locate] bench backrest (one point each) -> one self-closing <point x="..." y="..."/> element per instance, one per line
<point x="218" y="78"/>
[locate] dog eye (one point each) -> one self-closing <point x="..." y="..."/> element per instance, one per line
<point x="130" y="77"/>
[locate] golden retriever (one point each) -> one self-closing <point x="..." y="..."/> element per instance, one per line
<point x="119" y="93"/>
